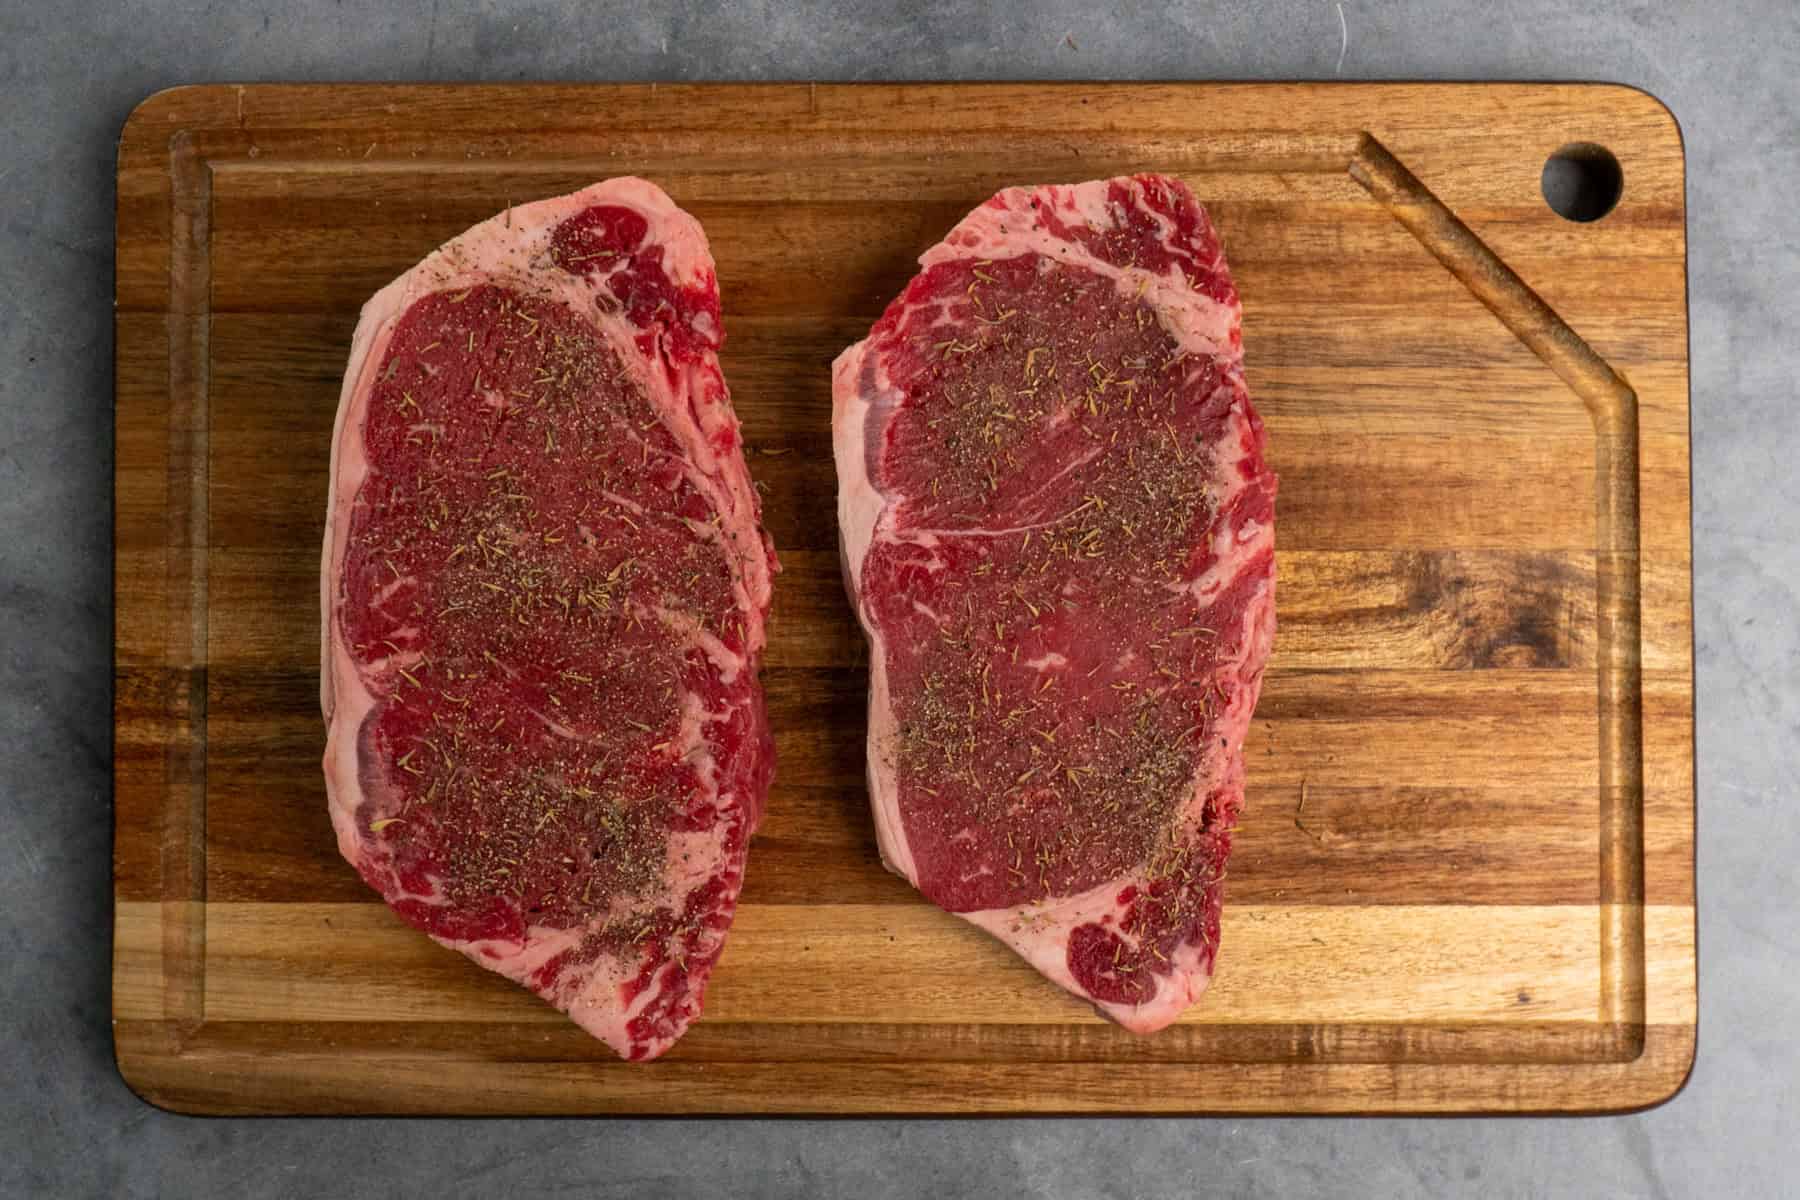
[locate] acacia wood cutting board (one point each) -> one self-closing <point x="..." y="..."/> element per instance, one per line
<point x="1464" y="875"/>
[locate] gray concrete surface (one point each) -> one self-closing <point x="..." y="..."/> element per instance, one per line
<point x="73" y="70"/>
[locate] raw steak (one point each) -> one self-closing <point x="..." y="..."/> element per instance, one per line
<point x="544" y="590"/>
<point x="1058" y="532"/>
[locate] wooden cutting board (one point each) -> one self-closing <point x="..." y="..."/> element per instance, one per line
<point x="1464" y="876"/>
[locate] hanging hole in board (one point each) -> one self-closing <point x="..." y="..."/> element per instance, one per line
<point x="1583" y="181"/>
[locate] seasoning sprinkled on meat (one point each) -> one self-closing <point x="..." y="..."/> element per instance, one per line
<point x="1058" y="534"/>
<point x="544" y="590"/>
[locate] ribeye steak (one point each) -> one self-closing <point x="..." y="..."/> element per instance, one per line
<point x="1058" y="532"/>
<point x="544" y="590"/>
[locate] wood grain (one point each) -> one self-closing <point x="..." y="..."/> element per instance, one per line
<point x="1464" y="876"/>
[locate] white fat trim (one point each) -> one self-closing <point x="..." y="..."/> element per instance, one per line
<point x="1002" y="228"/>
<point x="1039" y="933"/>
<point x="884" y="774"/>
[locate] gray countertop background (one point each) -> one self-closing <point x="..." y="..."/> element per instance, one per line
<point x="73" y="70"/>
